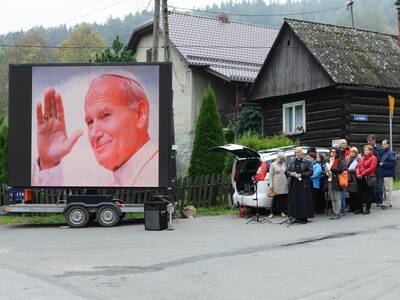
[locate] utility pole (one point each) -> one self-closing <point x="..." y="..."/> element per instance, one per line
<point x="167" y="53"/>
<point x="349" y="4"/>
<point x="167" y="58"/>
<point x="156" y="30"/>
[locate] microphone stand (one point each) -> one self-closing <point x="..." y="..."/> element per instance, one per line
<point x="257" y="218"/>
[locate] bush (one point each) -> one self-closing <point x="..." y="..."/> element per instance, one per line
<point x="229" y="133"/>
<point x="256" y="142"/>
<point x="250" y="120"/>
<point x="209" y="133"/>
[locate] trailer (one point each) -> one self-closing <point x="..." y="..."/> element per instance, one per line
<point x="80" y="209"/>
<point x="63" y="136"/>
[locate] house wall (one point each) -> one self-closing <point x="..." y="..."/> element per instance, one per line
<point x="325" y="116"/>
<point x="329" y="115"/>
<point x="375" y="106"/>
<point x="182" y="100"/>
<point x="225" y="94"/>
<point x="291" y="68"/>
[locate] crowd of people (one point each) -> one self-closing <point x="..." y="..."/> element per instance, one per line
<point x="310" y="181"/>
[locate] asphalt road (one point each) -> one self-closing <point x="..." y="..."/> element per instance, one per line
<point x="356" y="257"/>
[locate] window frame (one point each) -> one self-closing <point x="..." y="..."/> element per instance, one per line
<point x="293" y="105"/>
<point x="149" y="55"/>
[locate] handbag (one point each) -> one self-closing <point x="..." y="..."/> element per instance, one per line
<point x="271" y="194"/>
<point x="343" y="179"/>
<point x="371" y="180"/>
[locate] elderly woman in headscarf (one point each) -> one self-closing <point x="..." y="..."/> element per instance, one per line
<point x="278" y="185"/>
<point x="299" y="172"/>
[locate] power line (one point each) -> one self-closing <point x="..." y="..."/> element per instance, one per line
<point x="57" y="14"/>
<point x="54" y="47"/>
<point x="328" y="47"/>
<point x="259" y="15"/>
<point x="98" y="10"/>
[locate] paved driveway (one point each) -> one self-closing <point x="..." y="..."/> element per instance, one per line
<point x="357" y="257"/>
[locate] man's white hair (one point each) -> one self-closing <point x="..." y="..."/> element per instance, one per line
<point x="300" y="150"/>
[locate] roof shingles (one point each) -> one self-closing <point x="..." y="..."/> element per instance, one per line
<point x="352" y="56"/>
<point x="232" y="50"/>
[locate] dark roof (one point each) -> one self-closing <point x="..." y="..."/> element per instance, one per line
<point x="234" y="51"/>
<point x="352" y="56"/>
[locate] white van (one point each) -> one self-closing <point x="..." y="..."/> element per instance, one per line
<point x="245" y="166"/>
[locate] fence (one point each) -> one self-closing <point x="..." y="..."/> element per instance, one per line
<point x="201" y="191"/>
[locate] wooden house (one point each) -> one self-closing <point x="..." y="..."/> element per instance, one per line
<point x="322" y="82"/>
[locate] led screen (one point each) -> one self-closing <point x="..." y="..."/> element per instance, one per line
<point x="91" y="125"/>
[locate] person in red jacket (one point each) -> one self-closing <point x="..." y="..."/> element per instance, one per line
<point x="366" y="177"/>
<point x="262" y="171"/>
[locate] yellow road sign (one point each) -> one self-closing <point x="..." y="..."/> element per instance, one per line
<point x="391" y="105"/>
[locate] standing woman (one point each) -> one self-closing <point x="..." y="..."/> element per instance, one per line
<point x="322" y="184"/>
<point x="315" y="179"/>
<point x="334" y="166"/>
<point x="299" y="172"/>
<point x="351" y="164"/>
<point x="278" y="185"/>
<point x="366" y="175"/>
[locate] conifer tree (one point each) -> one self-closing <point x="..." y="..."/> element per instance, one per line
<point x="209" y="133"/>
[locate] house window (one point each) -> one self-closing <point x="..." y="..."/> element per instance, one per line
<point x="149" y="55"/>
<point x="294" y="118"/>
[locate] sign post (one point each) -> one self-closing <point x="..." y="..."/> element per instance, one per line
<point x="391" y="111"/>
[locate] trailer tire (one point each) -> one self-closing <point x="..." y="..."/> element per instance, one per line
<point x="107" y="216"/>
<point x="77" y="216"/>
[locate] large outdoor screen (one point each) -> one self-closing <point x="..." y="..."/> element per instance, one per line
<point x="90" y="125"/>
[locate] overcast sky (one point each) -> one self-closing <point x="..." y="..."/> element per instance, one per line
<point x="22" y="14"/>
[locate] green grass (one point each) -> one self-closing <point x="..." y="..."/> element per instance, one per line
<point x="19" y="219"/>
<point x="59" y="219"/>
<point x="396" y="184"/>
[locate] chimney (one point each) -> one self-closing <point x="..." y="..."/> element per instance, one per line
<point x="397" y="3"/>
<point x="224" y="17"/>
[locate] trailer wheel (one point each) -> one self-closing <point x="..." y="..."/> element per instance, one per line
<point x="77" y="216"/>
<point x="107" y="216"/>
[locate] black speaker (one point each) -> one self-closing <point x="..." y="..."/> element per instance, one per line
<point x="155" y="215"/>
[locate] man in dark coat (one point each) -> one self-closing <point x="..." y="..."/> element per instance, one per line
<point x="299" y="172"/>
<point x="387" y="170"/>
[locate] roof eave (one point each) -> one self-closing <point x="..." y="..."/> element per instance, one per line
<point x="382" y="89"/>
<point x="138" y="33"/>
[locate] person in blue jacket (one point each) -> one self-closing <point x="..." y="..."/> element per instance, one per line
<point x="387" y="171"/>
<point x="315" y="180"/>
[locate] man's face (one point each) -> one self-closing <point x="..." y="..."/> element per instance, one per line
<point x="298" y="153"/>
<point x="385" y="145"/>
<point x="372" y="142"/>
<point x="114" y="128"/>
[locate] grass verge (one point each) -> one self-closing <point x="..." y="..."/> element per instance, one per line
<point x="396" y="184"/>
<point x="59" y="219"/>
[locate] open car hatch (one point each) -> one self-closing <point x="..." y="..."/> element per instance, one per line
<point x="241" y="152"/>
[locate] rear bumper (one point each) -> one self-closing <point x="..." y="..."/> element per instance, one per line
<point x="250" y="200"/>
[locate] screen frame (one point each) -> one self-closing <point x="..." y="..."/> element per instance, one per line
<point x="20" y="125"/>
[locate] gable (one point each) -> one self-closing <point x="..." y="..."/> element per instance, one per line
<point x="352" y="56"/>
<point x="289" y="68"/>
